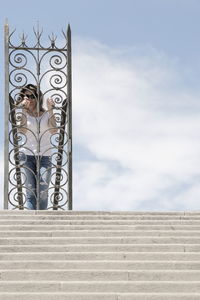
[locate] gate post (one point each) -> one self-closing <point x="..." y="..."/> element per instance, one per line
<point x="69" y="72"/>
<point x="6" y="113"/>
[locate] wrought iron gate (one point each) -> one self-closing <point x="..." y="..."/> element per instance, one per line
<point x="38" y="142"/>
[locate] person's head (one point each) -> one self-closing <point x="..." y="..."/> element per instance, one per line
<point x="30" y="92"/>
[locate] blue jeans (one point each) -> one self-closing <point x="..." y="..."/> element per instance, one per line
<point x="31" y="178"/>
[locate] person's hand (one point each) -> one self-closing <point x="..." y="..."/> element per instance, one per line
<point x="50" y="103"/>
<point x="25" y="103"/>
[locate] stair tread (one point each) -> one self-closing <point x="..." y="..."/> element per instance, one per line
<point x="100" y="255"/>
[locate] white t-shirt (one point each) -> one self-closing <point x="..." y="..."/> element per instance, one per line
<point x="38" y="136"/>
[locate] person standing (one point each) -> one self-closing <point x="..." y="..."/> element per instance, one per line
<point x="37" y="125"/>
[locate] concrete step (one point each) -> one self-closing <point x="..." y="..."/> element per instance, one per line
<point x="99" y="275"/>
<point x="99" y="255"/>
<point x="105" y="256"/>
<point x="100" y="233"/>
<point x="135" y="228"/>
<point x="99" y="223"/>
<point x="101" y="286"/>
<point x="91" y="212"/>
<point x="99" y="240"/>
<point x="98" y="217"/>
<point x="101" y="248"/>
<point x="93" y="256"/>
<point x="99" y="264"/>
<point x="99" y="296"/>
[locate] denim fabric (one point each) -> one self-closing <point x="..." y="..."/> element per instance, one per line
<point x="30" y="167"/>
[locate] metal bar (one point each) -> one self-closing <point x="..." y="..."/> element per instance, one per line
<point x="6" y="111"/>
<point x="65" y="110"/>
<point x="38" y="132"/>
<point x="59" y="164"/>
<point x="69" y="92"/>
<point x="10" y="103"/>
<point x="38" y="48"/>
<point x="16" y="149"/>
<point x="60" y="153"/>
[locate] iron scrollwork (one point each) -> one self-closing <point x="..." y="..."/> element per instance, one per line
<point x="48" y="69"/>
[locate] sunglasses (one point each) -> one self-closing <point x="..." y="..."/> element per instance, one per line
<point x="31" y="96"/>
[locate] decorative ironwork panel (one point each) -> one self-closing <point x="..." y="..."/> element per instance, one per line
<point x="38" y="122"/>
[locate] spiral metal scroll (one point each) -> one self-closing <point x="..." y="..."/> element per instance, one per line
<point x="40" y="155"/>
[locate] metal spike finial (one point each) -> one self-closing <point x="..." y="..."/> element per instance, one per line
<point x="12" y="32"/>
<point x="53" y="38"/>
<point x="38" y="32"/>
<point x="6" y="30"/>
<point x="64" y="34"/>
<point x="68" y="29"/>
<point x="38" y="26"/>
<point x="23" y="38"/>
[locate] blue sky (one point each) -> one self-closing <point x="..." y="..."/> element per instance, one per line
<point x="136" y="108"/>
<point x="169" y="25"/>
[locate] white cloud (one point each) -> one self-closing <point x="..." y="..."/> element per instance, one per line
<point x="140" y="126"/>
<point x="136" y="130"/>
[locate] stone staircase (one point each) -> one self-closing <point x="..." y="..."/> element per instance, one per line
<point x="90" y="255"/>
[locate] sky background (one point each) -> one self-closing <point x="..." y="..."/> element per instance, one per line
<point x="136" y="98"/>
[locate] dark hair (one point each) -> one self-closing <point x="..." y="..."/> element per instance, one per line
<point x="34" y="90"/>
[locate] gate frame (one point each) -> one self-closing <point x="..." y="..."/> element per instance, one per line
<point x="68" y="115"/>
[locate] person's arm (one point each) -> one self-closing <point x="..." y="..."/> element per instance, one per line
<point x="22" y="121"/>
<point x="22" y="117"/>
<point x="51" y="117"/>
